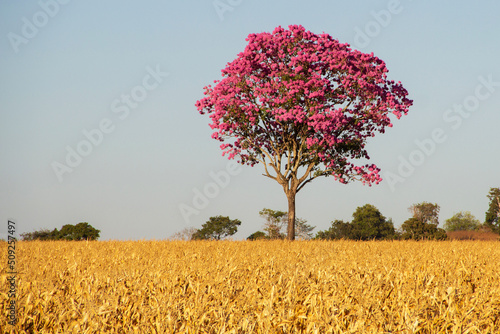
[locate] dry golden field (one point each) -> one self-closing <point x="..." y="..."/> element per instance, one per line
<point x="255" y="287"/>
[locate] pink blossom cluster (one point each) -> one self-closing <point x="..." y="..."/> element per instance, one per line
<point x="293" y="88"/>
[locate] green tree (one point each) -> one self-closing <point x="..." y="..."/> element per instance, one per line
<point x="368" y="223"/>
<point x="43" y="234"/>
<point x="424" y="223"/>
<point x="492" y="219"/>
<point x="462" y="221"/>
<point x="217" y="228"/>
<point x="275" y="222"/>
<point x="440" y="234"/>
<point x="425" y="212"/>
<point x="416" y="229"/>
<point x="259" y="235"/>
<point x="338" y="230"/>
<point x="80" y="231"/>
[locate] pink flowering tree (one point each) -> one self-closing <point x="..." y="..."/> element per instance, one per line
<point x="304" y="106"/>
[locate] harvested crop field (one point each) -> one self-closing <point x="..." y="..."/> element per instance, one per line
<point x="255" y="287"/>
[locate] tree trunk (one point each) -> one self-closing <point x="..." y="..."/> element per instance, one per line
<point x="291" y="216"/>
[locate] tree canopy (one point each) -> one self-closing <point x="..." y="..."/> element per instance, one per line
<point x="338" y="230"/>
<point x="217" y="228"/>
<point x="276" y="221"/>
<point x="424" y="223"/>
<point x="80" y="231"/>
<point x="492" y="219"/>
<point x="425" y="212"/>
<point x="304" y="106"/>
<point x="416" y="229"/>
<point x="462" y="221"/>
<point x="368" y="224"/>
<point x="259" y="235"/>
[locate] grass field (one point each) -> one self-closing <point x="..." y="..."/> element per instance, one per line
<point x="255" y="287"/>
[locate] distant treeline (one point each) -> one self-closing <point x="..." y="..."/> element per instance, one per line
<point x="80" y="231"/>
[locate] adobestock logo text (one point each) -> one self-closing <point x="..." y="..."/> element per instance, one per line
<point x="121" y="107"/>
<point x="31" y="26"/>
<point x="454" y="118"/>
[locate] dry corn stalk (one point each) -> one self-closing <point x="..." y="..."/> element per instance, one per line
<point x="256" y="287"/>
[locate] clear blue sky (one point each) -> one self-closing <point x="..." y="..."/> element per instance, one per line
<point x="70" y="67"/>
